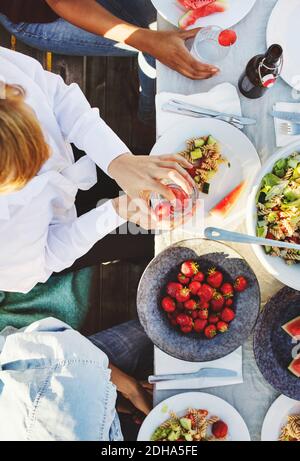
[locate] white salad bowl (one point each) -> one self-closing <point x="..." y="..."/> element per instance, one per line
<point x="288" y="275"/>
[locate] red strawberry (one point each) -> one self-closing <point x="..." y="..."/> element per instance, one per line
<point x="213" y="319"/>
<point x="168" y="305"/>
<point x="227" y="37"/>
<point x="210" y="331"/>
<point x="164" y="210"/>
<point x="172" y="289"/>
<point x="229" y="302"/>
<point x="194" y="287"/>
<point x="194" y="315"/>
<point x="190" y="305"/>
<point x="183" y="320"/>
<point x="215" y="278"/>
<point x="227" y="290"/>
<point x="206" y="293"/>
<point x="203" y="314"/>
<point x="189" y="268"/>
<point x="217" y="303"/>
<point x="183" y="295"/>
<point x="183" y="279"/>
<point x="220" y="429"/>
<point x="204" y="305"/>
<point x="186" y="329"/>
<point x="222" y="327"/>
<point x="227" y="315"/>
<point x="199" y="277"/>
<point x="240" y="284"/>
<point x="199" y="325"/>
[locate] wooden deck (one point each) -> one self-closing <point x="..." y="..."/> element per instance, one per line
<point x="112" y="85"/>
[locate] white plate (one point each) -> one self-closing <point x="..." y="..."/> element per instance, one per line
<point x="238" y="431"/>
<point x="237" y="10"/>
<point x="236" y="148"/>
<point x="288" y="275"/>
<point x="283" y="28"/>
<point x="276" y="418"/>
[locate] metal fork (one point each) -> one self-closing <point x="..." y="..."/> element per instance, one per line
<point x="290" y="129"/>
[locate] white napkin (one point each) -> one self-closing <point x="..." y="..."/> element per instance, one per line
<point x="164" y="364"/>
<point x="281" y="139"/>
<point x="223" y="98"/>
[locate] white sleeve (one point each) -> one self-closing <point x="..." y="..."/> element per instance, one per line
<point x="68" y="242"/>
<point x="82" y="125"/>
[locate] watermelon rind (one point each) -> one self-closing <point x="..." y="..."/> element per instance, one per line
<point x="295" y="366"/>
<point x="292" y="328"/>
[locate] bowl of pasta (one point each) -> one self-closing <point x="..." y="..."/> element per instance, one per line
<point x="273" y="212"/>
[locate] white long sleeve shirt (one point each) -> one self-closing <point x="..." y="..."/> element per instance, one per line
<point x="40" y="232"/>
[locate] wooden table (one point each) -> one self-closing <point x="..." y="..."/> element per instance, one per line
<point x="252" y="398"/>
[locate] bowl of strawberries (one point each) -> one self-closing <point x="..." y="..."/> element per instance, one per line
<point x="198" y="300"/>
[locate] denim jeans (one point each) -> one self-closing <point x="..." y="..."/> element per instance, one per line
<point x="61" y="37"/>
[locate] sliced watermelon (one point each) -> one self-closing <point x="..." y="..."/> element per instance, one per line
<point x="292" y="328"/>
<point x="295" y="367"/>
<point x="225" y="206"/>
<point x="189" y="18"/>
<point x="194" y="4"/>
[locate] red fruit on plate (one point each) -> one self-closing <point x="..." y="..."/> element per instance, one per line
<point x="210" y="331"/>
<point x="203" y="314"/>
<point x="213" y="319"/>
<point x="292" y="328"/>
<point x="168" y="305"/>
<point x="295" y="367"/>
<point x="223" y="208"/>
<point x="183" y="295"/>
<point x="172" y="289"/>
<point x="194" y="315"/>
<point x="190" y="305"/>
<point x="229" y="302"/>
<point x="227" y="290"/>
<point x="220" y="430"/>
<point x="206" y="293"/>
<point x="214" y="278"/>
<point x="199" y="325"/>
<point x="192" y="172"/>
<point x="164" y="210"/>
<point x="183" y="279"/>
<point x="217" y="303"/>
<point x="227" y="37"/>
<point x="186" y="329"/>
<point x="189" y="18"/>
<point x="222" y="327"/>
<point x="189" y="268"/>
<point x="199" y="277"/>
<point x="194" y="287"/>
<point x="183" y="320"/>
<point x="204" y="305"/>
<point x="240" y="284"/>
<point x="227" y="315"/>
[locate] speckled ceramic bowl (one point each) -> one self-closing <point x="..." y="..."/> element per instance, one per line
<point x="163" y="268"/>
<point x="273" y="347"/>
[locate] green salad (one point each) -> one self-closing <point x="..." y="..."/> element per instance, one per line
<point x="278" y="207"/>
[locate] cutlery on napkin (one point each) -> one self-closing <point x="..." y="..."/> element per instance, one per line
<point x="202" y="373"/>
<point x="290" y="112"/>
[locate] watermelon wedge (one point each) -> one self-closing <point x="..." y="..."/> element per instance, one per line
<point x="295" y="367"/>
<point x="194" y="4"/>
<point x="292" y="328"/>
<point x="227" y="203"/>
<point x="191" y="16"/>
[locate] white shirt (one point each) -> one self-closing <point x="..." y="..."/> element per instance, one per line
<point x="40" y="232"/>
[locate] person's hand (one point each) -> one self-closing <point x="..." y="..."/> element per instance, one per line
<point x="139" y="174"/>
<point x="135" y="392"/>
<point x="170" y="49"/>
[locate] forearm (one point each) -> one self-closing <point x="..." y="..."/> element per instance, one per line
<point x="90" y="16"/>
<point x="124" y="383"/>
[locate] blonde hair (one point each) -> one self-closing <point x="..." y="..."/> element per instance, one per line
<point x="23" y="149"/>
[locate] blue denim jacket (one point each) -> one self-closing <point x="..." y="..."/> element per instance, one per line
<point x="55" y="385"/>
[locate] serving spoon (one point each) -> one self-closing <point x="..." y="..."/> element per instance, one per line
<point x="213" y="233"/>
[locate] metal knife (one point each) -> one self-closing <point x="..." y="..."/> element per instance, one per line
<point x="209" y="112"/>
<point x="202" y="373"/>
<point x="293" y="117"/>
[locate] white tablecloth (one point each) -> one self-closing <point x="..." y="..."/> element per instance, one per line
<point x="252" y="398"/>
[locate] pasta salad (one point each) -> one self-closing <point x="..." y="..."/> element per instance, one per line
<point x="278" y="207"/>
